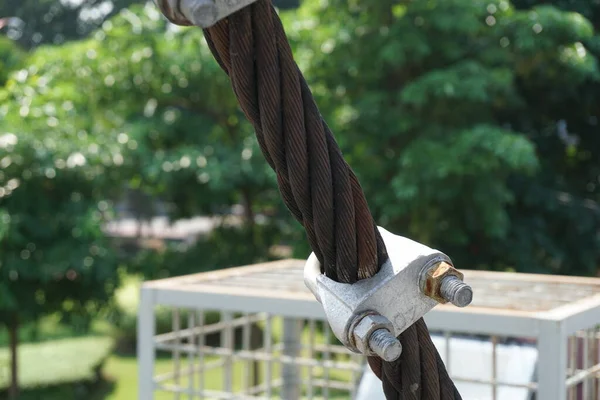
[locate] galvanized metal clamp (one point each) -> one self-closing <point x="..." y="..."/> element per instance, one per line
<point x="367" y="316"/>
<point x="202" y="13"/>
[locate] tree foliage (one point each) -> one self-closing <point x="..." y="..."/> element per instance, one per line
<point x="445" y="110"/>
<point x="132" y="109"/>
<point x="186" y="139"/>
<point x="53" y="254"/>
<point x="11" y="58"/>
<point x="472" y="125"/>
<point x="36" y="22"/>
<point x="563" y="200"/>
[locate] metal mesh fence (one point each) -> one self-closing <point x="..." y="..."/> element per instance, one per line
<point x="256" y="332"/>
<point x="249" y="356"/>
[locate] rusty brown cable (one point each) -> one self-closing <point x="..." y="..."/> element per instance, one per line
<point x="316" y="184"/>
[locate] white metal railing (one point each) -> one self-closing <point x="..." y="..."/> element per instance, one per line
<point x="524" y="337"/>
<point x="286" y="364"/>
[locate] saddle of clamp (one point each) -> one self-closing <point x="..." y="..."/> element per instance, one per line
<point x="367" y="316"/>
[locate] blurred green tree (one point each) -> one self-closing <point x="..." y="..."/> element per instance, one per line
<point x="561" y="118"/>
<point x="11" y="58"/>
<point x="590" y="9"/>
<point x="140" y="105"/>
<point x="152" y="114"/>
<point x="434" y="103"/>
<point x="184" y="140"/>
<point x="53" y="254"/>
<point x="36" y="22"/>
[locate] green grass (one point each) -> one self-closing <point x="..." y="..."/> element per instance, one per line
<point x="66" y="359"/>
<point x="57" y="362"/>
<point x="50" y="328"/>
<point x="124" y="371"/>
<point x="59" y="351"/>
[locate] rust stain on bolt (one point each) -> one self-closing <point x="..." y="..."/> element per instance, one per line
<point x="433" y="280"/>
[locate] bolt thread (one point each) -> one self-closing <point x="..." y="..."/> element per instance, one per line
<point x="385" y="345"/>
<point x="456" y="291"/>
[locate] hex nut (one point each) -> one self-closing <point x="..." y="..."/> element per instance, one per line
<point x="432" y="280"/>
<point x="364" y="327"/>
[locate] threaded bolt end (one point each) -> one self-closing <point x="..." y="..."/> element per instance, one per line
<point x="456" y="291"/>
<point x="385" y="345"/>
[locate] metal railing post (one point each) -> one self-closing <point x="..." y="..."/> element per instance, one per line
<point x="552" y="360"/>
<point x="292" y="330"/>
<point x="146" y="328"/>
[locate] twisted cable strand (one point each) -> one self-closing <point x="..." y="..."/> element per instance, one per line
<point x="317" y="185"/>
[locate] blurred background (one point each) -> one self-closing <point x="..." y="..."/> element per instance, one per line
<point x="472" y="125"/>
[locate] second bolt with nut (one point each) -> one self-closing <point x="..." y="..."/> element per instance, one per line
<point x="444" y="283"/>
<point x="385" y="345"/>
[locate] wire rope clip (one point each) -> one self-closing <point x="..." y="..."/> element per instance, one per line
<point x="367" y="316"/>
<point x="202" y="13"/>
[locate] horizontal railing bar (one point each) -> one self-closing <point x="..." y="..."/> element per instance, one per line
<point x="245" y="355"/>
